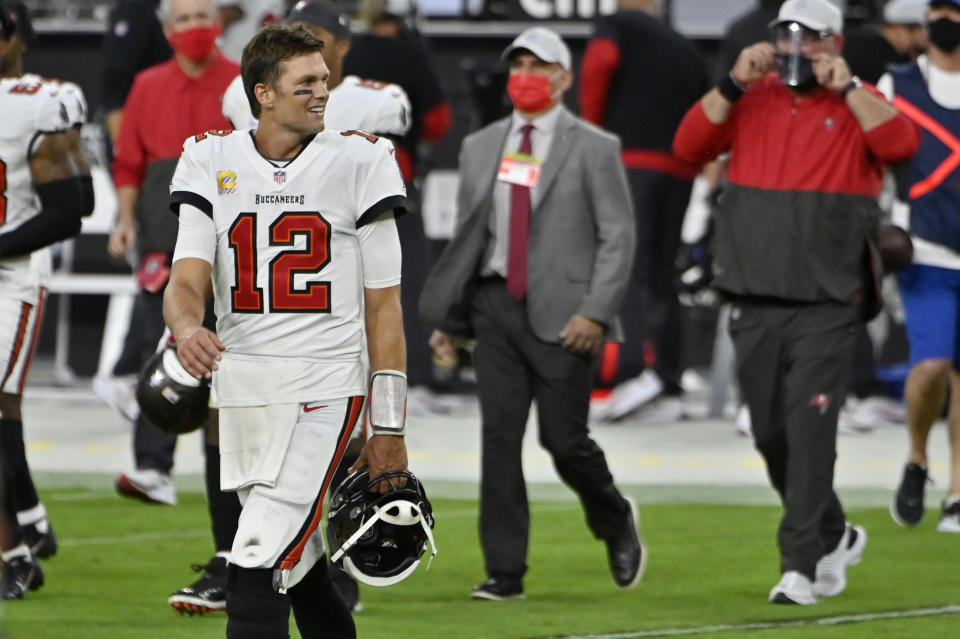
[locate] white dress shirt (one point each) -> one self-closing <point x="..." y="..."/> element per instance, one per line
<point x="544" y="126"/>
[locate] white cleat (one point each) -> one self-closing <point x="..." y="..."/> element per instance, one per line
<point x="119" y="393"/>
<point x="793" y="588"/>
<point x="149" y="485"/>
<point x="831" y="577"/>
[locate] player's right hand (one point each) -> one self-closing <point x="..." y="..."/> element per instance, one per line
<point x="444" y="351"/>
<point x="382" y="454"/>
<point x="122" y="238"/>
<point x="199" y="351"/>
<point x="753" y="63"/>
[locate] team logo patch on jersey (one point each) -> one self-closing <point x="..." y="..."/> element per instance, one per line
<point x="821" y="401"/>
<point x="226" y="182"/>
<point x="279" y="177"/>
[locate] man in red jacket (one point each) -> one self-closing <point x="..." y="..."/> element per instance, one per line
<point x="168" y="103"/>
<point x="794" y="232"/>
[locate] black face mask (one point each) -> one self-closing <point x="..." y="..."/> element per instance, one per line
<point x="944" y="34"/>
<point x="796" y="71"/>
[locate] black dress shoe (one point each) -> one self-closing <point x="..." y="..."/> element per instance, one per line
<point x="498" y="589"/>
<point x="627" y="555"/>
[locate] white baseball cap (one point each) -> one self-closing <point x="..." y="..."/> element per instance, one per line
<point x="543" y="43"/>
<point x="819" y="15"/>
<point x="905" y="11"/>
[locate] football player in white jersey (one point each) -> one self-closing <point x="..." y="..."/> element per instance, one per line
<point x="381" y="108"/>
<point x="41" y="202"/>
<point x="355" y="104"/>
<point x="294" y="226"/>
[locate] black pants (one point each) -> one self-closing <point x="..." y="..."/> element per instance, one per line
<point x="793" y="362"/>
<point x="651" y="308"/>
<point x="863" y="377"/>
<point x="152" y="448"/>
<point x="515" y="368"/>
<point x="416" y="265"/>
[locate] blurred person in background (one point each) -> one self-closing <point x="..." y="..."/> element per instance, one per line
<point x="750" y="28"/>
<point x="536" y="271"/>
<point x="794" y="250"/>
<point x="46" y="190"/>
<point x="900" y="38"/>
<point x="133" y="41"/>
<point x="392" y="51"/>
<point x="242" y="18"/>
<point x="167" y="104"/>
<point x="928" y="91"/>
<point x="627" y="86"/>
<point x="869" y="52"/>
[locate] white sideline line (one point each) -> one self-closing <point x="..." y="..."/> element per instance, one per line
<point x="133" y="539"/>
<point x="770" y="625"/>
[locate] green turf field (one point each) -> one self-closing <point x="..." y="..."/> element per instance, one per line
<point x="709" y="572"/>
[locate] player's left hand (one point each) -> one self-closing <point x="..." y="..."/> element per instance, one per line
<point x="381" y="454"/>
<point x="831" y="71"/>
<point x="582" y="335"/>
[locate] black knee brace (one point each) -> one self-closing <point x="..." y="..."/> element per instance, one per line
<point x="254" y="609"/>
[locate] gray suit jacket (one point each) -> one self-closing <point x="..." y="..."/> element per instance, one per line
<point x="582" y="233"/>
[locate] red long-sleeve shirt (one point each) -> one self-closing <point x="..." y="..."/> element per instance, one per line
<point x="815" y="144"/>
<point x="164" y="108"/>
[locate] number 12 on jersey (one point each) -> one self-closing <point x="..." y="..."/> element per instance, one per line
<point x="247" y="297"/>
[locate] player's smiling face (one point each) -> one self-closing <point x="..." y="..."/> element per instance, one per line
<point x="301" y="94"/>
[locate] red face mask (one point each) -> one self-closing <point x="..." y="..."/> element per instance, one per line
<point x="196" y="43"/>
<point x="529" y="92"/>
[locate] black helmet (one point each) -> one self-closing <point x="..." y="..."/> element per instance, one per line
<point x="171" y="398"/>
<point x="379" y="537"/>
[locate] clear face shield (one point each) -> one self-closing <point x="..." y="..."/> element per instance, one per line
<point x="795" y="45"/>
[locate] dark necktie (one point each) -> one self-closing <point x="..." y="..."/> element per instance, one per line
<point x="519" y="229"/>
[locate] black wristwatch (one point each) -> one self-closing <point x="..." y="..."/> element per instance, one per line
<point x="854" y="83"/>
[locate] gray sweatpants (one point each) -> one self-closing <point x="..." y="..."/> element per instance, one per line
<point x="793" y="361"/>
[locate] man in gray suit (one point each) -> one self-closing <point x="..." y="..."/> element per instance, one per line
<point x="536" y="272"/>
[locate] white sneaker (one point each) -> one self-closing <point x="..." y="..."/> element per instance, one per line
<point x="662" y="410"/>
<point x="119" y="393"/>
<point x="832" y="568"/>
<point x="629" y="396"/>
<point x="878" y="409"/>
<point x="793" y="588"/>
<point x="950" y="519"/>
<point x="423" y="401"/>
<point x="744" y="424"/>
<point x="853" y="421"/>
<point x="149" y="485"/>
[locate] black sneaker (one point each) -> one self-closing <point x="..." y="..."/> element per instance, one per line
<point x="498" y="589"/>
<point x="43" y="545"/>
<point x="207" y="594"/>
<point x="907" y="506"/>
<point x="20" y="574"/>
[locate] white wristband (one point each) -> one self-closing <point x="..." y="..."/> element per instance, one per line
<point x="388" y="403"/>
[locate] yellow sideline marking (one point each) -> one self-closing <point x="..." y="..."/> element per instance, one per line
<point x="770" y="625"/>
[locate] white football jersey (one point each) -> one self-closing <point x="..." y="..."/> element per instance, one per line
<point x="29" y="110"/>
<point x="71" y="95"/>
<point x="287" y="281"/>
<point x="381" y="108"/>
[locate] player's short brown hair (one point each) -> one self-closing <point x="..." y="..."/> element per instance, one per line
<point x="262" y="56"/>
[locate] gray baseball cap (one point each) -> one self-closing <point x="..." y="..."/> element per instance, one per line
<point x="543" y="43"/>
